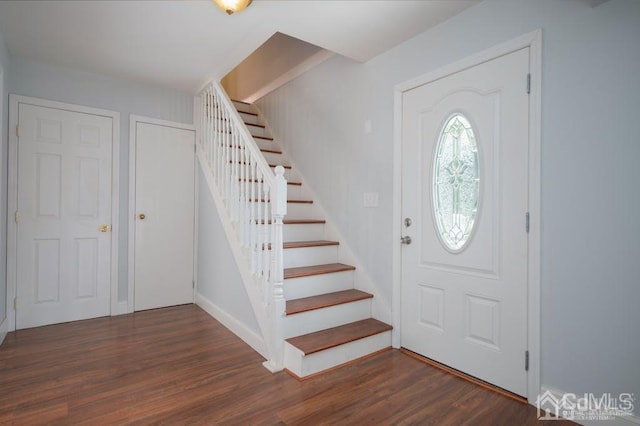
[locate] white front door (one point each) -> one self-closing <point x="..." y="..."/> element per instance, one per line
<point x="64" y="207"/>
<point x="164" y="209"/>
<point x="465" y="192"/>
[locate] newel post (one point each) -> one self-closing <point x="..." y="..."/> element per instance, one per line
<point x="277" y="302"/>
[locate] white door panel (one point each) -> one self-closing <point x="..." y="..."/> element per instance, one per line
<point x="64" y="196"/>
<point x="465" y="305"/>
<point x="164" y="185"/>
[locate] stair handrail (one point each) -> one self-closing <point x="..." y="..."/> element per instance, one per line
<point x="255" y="198"/>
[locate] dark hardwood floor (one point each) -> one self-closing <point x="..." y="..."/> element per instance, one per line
<point x="180" y="366"/>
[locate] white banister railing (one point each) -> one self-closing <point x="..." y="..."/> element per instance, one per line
<point x="255" y="200"/>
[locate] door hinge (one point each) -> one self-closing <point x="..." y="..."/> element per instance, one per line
<point x="528" y="84"/>
<point x="526" y="222"/>
<point x="526" y="360"/>
<point x="16" y="217"/>
<point x="15" y="303"/>
<point x="17" y="130"/>
<point x="193" y="284"/>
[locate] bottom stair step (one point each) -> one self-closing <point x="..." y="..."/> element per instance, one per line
<point x="313" y="353"/>
<point x="336" y="336"/>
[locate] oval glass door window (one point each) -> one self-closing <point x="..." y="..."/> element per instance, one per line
<point x="456" y="183"/>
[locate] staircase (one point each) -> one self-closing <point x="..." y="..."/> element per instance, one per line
<point x="326" y="321"/>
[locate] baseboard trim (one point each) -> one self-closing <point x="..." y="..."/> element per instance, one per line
<point x="236" y="327"/>
<point x="616" y="421"/>
<point x="121" y="308"/>
<point x="4" y="329"/>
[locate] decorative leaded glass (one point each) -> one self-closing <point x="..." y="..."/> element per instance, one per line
<point x="456" y="182"/>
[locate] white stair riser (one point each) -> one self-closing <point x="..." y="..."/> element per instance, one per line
<point x="305" y="256"/>
<point x="277" y="159"/>
<point x="267" y="144"/>
<point x="250" y="118"/>
<point x="257" y="131"/>
<point x="304" y="232"/>
<point x="301" y="211"/>
<point x="292" y="175"/>
<point x="297" y="288"/>
<point x="302" y="366"/>
<point x="244" y="107"/>
<point x="294" y="210"/>
<point x="297" y="192"/>
<point x="289" y="174"/>
<point x="321" y="319"/>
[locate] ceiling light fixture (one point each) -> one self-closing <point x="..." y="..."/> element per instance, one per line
<point x="232" y="6"/>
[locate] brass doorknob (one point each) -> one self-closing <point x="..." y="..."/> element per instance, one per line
<point x="104" y="228"/>
<point x="141" y="216"/>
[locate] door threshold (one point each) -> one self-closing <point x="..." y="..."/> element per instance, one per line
<point x="465" y="376"/>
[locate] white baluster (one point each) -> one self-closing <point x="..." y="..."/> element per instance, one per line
<point x="254" y="224"/>
<point x="260" y="222"/>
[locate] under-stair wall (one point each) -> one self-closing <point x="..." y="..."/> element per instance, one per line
<point x="220" y="290"/>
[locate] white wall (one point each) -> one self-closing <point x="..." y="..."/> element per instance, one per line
<point x="95" y="90"/>
<point x="218" y="278"/>
<point x="4" y="116"/>
<point x="590" y="177"/>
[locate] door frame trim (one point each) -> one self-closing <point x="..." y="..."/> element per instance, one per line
<point x="12" y="193"/>
<point x="533" y="41"/>
<point x="133" y="124"/>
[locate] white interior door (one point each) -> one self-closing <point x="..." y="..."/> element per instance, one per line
<point x="164" y="225"/>
<point x="64" y="202"/>
<point x="465" y="190"/>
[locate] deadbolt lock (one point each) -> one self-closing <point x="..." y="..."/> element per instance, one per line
<point x="406" y="240"/>
<point x="407" y="222"/>
<point x="141" y="216"/>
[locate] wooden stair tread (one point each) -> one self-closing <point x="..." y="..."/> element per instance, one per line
<point x="270" y="151"/>
<point x="255" y="114"/>
<point x="288" y="201"/>
<point x="303" y="244"/>
<point x="260" y="181"/>
<point x="307" y="271"/>
<point x="303" y="221"/>
<point x="262" y="126"/>
<point x="241" y="102"/>
<point x="297" y="306"/>
<point x="297" y="222"/>
<point x="244" y="163"/>
<point x="336" y="336"/>
<point x="262" y="137"/>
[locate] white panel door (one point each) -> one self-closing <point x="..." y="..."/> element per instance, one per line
<point x="164" y="207"/>
<point x="464" y="275"/>
<point x="64" y="199"/>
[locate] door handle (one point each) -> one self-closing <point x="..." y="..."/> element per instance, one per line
<point x="141" y="216"/>
<point x="104" y="228"/>
<point x="406" y="240"/>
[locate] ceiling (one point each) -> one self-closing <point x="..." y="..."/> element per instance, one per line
<point x="184" y="44"/>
